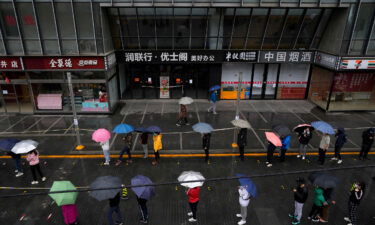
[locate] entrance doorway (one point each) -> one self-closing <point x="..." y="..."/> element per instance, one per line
<point x="264" y="84"/>
<point x="16" y="98"/>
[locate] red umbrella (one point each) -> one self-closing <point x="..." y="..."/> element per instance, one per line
<point x="273" y="138"/>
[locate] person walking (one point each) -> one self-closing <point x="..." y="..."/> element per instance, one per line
<point x="206" y="146"/>
<point x="340" y="141"/>
<point x="367" y="141"/>
<point x="114" y="207"/>
<point x="316" y="209"/>
<point x="193" y="199"/>
<point x="323" y="147"/>
<point x="70" y="214"/>
<point x="105" y="148"/>
<point x="300" y="197"/>
<point x="242" y="142"/>
<point x="285" y="146"/>
<point x="144" y="140"/>
<point x="17" y="163"/>
<point x="128" y="139"/>
<point x="244" y="200"/>
<point x="270" y="150"/>
<point x="33" y="159"/>
<point x="304" y="139"/>
<point x="213" y="100"/>
<point x="356" y="194"/>
<point x="142" y="203"/>
<point x="328" y="194"/>
<point x="182" y="119"/>
<point x="158" y="145"/>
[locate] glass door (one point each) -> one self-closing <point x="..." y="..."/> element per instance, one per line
<point x="17" y="98"/>
<point x="264" y="82"/>
<point x="258" y="81"/>
<point x="271" y="81"/>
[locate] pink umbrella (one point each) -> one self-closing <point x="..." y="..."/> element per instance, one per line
<point x="273" y="138"/>
<point x="299" y="128"/>
<point x="101" y="135"/>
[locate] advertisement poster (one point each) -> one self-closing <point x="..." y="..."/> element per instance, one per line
<point x="354" y="82"/>
<point x="164" y="87"/>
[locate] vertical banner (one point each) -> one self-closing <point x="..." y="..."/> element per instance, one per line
<point x="164" y="87"/>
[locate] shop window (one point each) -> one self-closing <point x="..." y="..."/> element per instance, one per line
<point x="320" y="85"/>
<point x="293" y="80"/>
<point x="51" y="96"/>
<point x="93" y="97"/>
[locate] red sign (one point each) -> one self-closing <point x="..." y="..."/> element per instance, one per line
<point x="64" y="63"/>
<point x="354" y="82"/>
<point x="10" y="63"/>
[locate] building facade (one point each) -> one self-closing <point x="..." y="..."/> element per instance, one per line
<point x="321" y="50"/>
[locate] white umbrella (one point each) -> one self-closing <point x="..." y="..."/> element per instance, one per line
<point x="24" y="146"/>
<point x="191" y="176"/>
<point x="241" y="123"/>
<point x="185" y="101"/>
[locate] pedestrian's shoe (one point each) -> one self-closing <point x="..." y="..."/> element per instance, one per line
<point x="34" y="182"/>
<point x="295" y="222"/>
<point x="298" y="156"/>
<point x="239" y="215"/>
<point x="215" y="113"/>
<point x="292" y="216"/>
<point x="339" y="162"/>
<point x="190" y="214"/>
<point x="315" y="220"/>
<point x="16" y="171"/>
<point x="106" y="164"/>
<point x="269" y="165"/>
<point x="192" y="219"/>
<point x="303" y="158"/>
<point x="44" y="178"/>
<point x="241" y="222"/>
<point x="333" y="159"/>
<point x="309" y="217"/>
<point x="347" y="219"/>
<point x="129" y="161"/>
<point x="349" y="224"/>
<point x="143" y="221"/>
<point x="145" y="156"/>
<point x="19" y="174"/>
<point x="119" y="223"/>
<point x="118" y="162"/>
<point x="323" y="221"/>
<point x="177" y="124"/>
<point x="187" y="124"/>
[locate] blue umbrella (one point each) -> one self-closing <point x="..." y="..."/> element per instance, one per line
<point x="248" y="183"/>
<point x="123" y="128"/>
<point x="153" y="129"/>
<point x="214" y="88"/>
<point x="145" y="192"/>
<point x="203" y="128"/>
<point x="323" y="127"/>
<point x="140" y="129"/>
<point x="8" y="143"/>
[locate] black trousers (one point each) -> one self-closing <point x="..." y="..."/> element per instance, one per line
<point x="242" y="150"/>
<point x="35" y="168"/>
<point x="315" y="211"/>
<point x="157" y="155"/>
<point x="364" y="150"/>
<point x="322" y="155"/>
<point x="127" y="150"/>
<point x="337" y="152"/>
<point x="282" y="155"/>
<point x="207" y="152"/>
<point x="143" y="208"/>
<point x="353" y="212"/>
<point x="182" y="121"/>
<point x="270" y="154"/>
<point x="193" y="208"/>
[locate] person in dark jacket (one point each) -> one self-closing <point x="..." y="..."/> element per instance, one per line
<point x="356" y="194"/>
<point x="128" y="139"/>
<point x="182" y="119"/>
<point x="17" y="162"/>
<point x="329" y="195"/>
<point x="242" y="142"/>
<point x="206" y="145"/>
<point x="270" y="150"/>
<point x="367" y="141"/>
<point x="340" y="141"/>
<point x="114" y="207"/>
<point x="143" y="207"/>
<point x="285" y="146"/>
<point x="304" y="138"/>
<point x="300" y="197"/>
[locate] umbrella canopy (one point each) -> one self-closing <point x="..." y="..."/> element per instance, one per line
<point x="24" y="146"/>
<point x="101" y="135"/>
<point x="153" y="129"/>
<point x="273" y="138"/>
<point x="324" y="180"/>
<point x="214" y="88"/>
<point x="191" y="176"/>
<point x="314" y="175"/>
<point x="282" y="130"/>
<point x="301" y="127"/>
<point x="323" y="127"/>
<point x="185" y="101"/>
<point x="123" y="128"/>
<point x="240" y="123"/>
<point x="114" y="183"/>
<point x="145" y="192"/>
<point x="203" y="128"/>
<point x="8" y="143"/>
<point x="140" y="130"/>
<point x="248" y="184"/>
<point x="67" y="198"/>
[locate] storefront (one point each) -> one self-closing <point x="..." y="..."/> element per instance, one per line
<point x="40" y="85"/>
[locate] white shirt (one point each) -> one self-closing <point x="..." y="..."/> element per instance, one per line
<point x="324" y="142"/>
<point x="105" y="145"/>
<point x="244" y="198"/>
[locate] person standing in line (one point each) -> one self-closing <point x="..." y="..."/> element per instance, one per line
<point x="33" y="159"/>
<point x="285" y="146"/>
<point x="213" y="100"/>
<point x="244" y="200"/>
<point x="17" y="162"/>
<point x="304" y="138"/>
<point x="242" y="142"/>
<point x="105" y="148"/>
<point x="340" y="141"/>
<point x="142" y="203"/>
<point x="70" y="214"/>
<point x="193" y="199"/>
<point x="114" y="207"/>
<point x="328" y="194"/>
<point x="206" y="146"/>
<point x="128" y="139"/>
<point x="270" y="150"/>
<point x="323" y="147"/>
<point x="182" y="120"/>
<point x="316" y="209"/>
<point x="158" y="145"/>
<point x="144" y="140"/>
<point x="300" y="197"/>
<point x="367" y="141"/>
<point x="356" y="194"/>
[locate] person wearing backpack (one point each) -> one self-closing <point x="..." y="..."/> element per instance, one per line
<point x="341" y="139"/>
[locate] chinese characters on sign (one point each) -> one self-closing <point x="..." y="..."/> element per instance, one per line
<point x="286" y="57"/>
<point x="64" y="63"/>
<point x="244" y="56"/>
<point x="10" y="63"/>
<point x="326" y="60"/>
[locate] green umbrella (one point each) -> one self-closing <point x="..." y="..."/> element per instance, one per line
<point x="67" y="198"/>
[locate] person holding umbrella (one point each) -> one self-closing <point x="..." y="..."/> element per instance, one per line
<point x="323" y="147"/>
<point x="356" y="194"/>
<point x="143" y="194"/>
<point x="114" y="207"/>
<point x="193" y="199"/>
<point x="128" y="139"/>
<point x="300" y="197"/>
<point x="102" y="137"/>
<point x="144" y="140"/>
<point x="340" y="141"/>
<point x="367" y="141"/>
<point x="182" y="119"/>
<point x="246" y="190"/>
<point x="285" y="146"/>
<point x="7" y="146"/>
<point x="304" y="138"/>
<point x="206" y="145"/>
<point x="273" y="142"/>
<point x="158" y="145"/>
<point x="242" y="142"/>
<point x="17" y="162"/>
<point x="213" y="100"/>
<point x="33" y="158"/>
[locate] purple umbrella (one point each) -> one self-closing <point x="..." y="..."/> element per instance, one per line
<point x="145" y="192"/>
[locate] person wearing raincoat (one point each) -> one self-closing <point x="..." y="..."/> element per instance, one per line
<point x="158" y="145"/>
<point x="182" y="119"/>
<point x="356" y="194"/>
<point x="367" y="141"/>
<point x="213" y="100"/>
<point x="206" y="146"/>
<point x="242" y="142"/>
<point x="285" y="146"/>
<point x="340" y="141"/>
<point x="128" y="139"/>
<point x="304" y="138"/>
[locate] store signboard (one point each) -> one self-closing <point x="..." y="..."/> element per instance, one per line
<point x="357" y="64"/>
<point x="191" y="56"/>
<point x="326" y="60"/>
<point x="354" y="82"/>
<point x="10" y="63"/>
<point x="64" y="63"/>
<point x="164" y="87"/>
<point x="286" y="56"/>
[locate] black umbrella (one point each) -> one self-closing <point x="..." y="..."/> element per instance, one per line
<point x="324" y="180"/>
<point x="282" y="130"/>
<point x="301" y="127"/>
<point x="111" y="184"/>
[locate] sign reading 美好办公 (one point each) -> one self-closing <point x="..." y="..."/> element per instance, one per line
<point x="286" y="56"/>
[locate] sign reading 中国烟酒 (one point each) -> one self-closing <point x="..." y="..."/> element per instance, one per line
<point x="286" y="57"/>
<point x="357" y="64"/>
<point x="10" y="63"/>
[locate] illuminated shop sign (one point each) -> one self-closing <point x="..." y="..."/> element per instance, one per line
<point x="286" y="57"/>
<point x="357" y="64"/>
